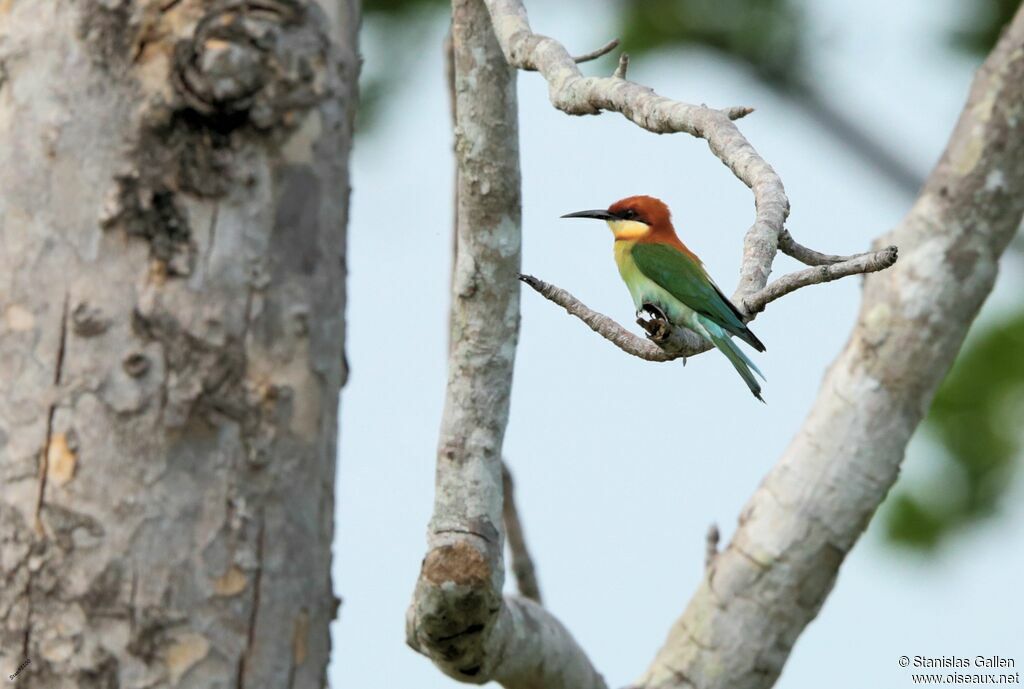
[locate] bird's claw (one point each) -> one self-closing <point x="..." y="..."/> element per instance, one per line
<point x="658" y="327"/>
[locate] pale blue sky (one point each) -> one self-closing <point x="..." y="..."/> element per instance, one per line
<point x="618" y="534"/>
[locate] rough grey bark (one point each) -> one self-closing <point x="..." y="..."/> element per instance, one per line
<point x="761" y="592"/>
<point x="173" y="202"/>
<point x="458" y="616"/>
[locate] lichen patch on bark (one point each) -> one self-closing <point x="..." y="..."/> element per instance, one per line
<point x="62" y="459"/>
<point x="183" y="653"/>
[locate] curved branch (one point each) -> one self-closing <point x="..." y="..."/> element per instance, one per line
<point x="668" y="342"/>
<point x="790" y="247"/>
<point x="586" y="57"/>
<point x="599" y="323"/>
<point x="576" y="94"/>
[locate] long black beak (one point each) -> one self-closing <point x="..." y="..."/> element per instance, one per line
<point x="597" y="215"/>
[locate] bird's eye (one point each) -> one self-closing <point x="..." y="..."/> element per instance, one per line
<point x="628" y="214"/>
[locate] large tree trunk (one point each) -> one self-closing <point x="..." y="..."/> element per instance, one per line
<point x="173" y="201"/>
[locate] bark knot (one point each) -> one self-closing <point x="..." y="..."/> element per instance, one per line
<point x="459" y="563"/>
<point x="254" y="61"/>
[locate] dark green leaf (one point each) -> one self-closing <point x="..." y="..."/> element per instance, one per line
<point x="766" y="34"/>
<point x="976" y="417"/>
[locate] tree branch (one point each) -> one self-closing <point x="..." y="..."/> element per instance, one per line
<point x="576" y="94"/>
<point x="522" y="563"/>
<point x="790" y="247"/>
<point x="860" y="264"/>
<point x="772" y="579"/>
<point x="622" y="68"/>
<point x="458" y="616"/>
<point x="668" y="342"/>
<point x="600" y="52"/>
<point x="587" y="57"/>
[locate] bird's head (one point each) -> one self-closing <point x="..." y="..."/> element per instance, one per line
<point x="633" y="217"/>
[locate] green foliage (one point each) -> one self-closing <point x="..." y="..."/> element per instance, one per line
<point x="766" y="34"/>
<point x="985" y="22"/>
<point x="976" y="417"/>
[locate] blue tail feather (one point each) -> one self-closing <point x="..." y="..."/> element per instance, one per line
<point x="740" y="361"/>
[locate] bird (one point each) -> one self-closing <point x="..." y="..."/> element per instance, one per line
<point x="662" y="272"/>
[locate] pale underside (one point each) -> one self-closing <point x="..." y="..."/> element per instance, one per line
<point x="646" y="291"/>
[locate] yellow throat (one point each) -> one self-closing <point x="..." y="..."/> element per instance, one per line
<point x="628" y="229"/>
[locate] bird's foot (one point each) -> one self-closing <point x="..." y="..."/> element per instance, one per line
<point x="652" y="310"/>
<point x="658" y="327"/>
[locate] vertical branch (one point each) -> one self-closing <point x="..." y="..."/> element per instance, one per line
<point x="458" y="617"/>
<point x="459" y="590"/>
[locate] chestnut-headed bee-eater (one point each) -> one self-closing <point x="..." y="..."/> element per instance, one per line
<point x="662" y="272"/>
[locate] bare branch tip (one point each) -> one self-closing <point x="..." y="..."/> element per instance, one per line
<point x="892" y="254"/>
<point x="620" y="71"/>
<point x="738" y="112"/>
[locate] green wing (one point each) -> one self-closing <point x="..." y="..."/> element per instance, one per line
<point x="686" y="280"/>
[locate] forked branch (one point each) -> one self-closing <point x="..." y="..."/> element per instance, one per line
<point x="667" y="342"/>
<point x="576" y="94"/>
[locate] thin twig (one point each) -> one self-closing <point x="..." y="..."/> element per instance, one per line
<point x="790" y="247"/>
<point x="522" y="563"/>
<point x="863" y="263"/>
<point x="585" y="57"/>
<point x="600" y="52"/>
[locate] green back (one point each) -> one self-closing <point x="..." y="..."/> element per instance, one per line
<point x="686" y="280"/>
